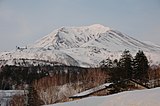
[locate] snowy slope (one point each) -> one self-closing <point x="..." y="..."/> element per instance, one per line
<point x="81" y="46"/>
<point x="129" y="98"/>
<point x="70" y="37"/>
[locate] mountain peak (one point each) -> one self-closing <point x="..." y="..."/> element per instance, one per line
<point x="75" y="36"/>
<point x="99" y="27"/>
<point x="94" y="27"/>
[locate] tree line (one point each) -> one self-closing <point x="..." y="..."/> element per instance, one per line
<point x="127" y="68"/>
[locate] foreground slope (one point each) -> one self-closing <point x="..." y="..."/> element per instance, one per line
<point x="82" y="46"/>
<point x="148" y="97"/>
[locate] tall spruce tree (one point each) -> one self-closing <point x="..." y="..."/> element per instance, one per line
<point x="106" y="63"/>
<point x="125" y="64"/>
<point x="117" y="77"/>
<point x="115" y="73"/>
<point x="140" y="66"/>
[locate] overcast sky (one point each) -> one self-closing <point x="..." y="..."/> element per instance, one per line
<point x="24" y="21"/>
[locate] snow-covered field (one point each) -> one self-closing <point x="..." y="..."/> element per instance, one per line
<point x="148" y="97"/>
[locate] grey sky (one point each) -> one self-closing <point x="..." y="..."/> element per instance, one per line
<point x="24" y="21"/>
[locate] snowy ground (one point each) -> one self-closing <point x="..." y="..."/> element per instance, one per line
<point x="149" y="97"/>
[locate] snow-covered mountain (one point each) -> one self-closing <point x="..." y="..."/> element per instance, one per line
<point x="79" y="46"/>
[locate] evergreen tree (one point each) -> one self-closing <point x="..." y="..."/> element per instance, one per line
<point x="116" y="77"/>
<point x="125" y="64"/>
<point x="115" y="74"/>
<point x="121" y="71"/>
<point x="140" y="66"/>
<point x="106" y="63"/>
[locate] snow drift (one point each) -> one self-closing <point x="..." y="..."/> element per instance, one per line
<point x="149" y="97"/>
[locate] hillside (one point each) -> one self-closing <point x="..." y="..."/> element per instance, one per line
<point x="82" y="46"/>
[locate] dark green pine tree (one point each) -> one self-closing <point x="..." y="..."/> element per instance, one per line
<point x="117" y="77"/>
<point x="106" y="63"/>
<point x="115" y="73"/>
<point x="125" y="64"/>
<point x="140" y="66"/>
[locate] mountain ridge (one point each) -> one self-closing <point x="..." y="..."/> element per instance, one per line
<point x="82" y="46"/>
<point x="59" y="34"/>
